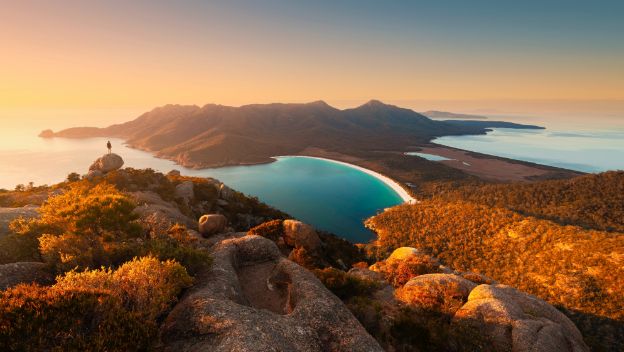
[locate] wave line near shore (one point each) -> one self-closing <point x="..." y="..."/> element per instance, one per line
<point x="394" y="185"/>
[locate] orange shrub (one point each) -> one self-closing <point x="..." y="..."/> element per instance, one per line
<point x="69" y="251"/>
<point x="398" y="272"/>
<point x="145" y="285"/>
<point x="272" y="230"/>
<point x="36" y="318"/>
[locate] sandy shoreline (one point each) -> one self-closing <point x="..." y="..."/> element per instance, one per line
<point x="407" y="198"/>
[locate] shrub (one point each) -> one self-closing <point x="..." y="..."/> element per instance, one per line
<point x="192" y="258"/>
<point x="398" y="272"/>
<point x="69" y="251"/>
<point x="73" y="177"/>
<point x="36" y="318"/>
<point x="18" y="248"/>
<point x="145" y="285"/>
<point x="272" y="230"/>
<point x="99" y="210"/>
<point x="344" y="285"/>
<point x="300" y="256"/>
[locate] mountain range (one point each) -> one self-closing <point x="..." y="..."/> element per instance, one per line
<point x="218" y="135"/>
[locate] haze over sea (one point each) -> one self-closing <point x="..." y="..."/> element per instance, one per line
<point x="588" y="145"/>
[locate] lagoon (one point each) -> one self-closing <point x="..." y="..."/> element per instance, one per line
<point x="331" y="196"/>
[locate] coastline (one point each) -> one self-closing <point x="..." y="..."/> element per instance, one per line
<point x="394" y="185"/>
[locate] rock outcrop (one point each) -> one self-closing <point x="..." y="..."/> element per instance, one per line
<point x="212" y="224"/>
<point x="253" y="299"/>
<point x="158" y="215"/>
<point x="298" y="234"/>
<point x="9" y="214"/>
<point x="485" y="315"/>
<point x="515" y="321"/>
<point x="24" y="272"/>
<point x="442" y="292"/>
<point x="185" y="191"/>
<point x="107" y="163"/>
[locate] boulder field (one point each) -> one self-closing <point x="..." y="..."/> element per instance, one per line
<point x="495" y="317"/>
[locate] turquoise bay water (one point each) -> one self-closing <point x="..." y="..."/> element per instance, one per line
<point x="330" y="196"/>
<point x="576" y="149"/>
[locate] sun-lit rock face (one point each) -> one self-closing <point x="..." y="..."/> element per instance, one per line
<point x="256" y="300"/>
<point x="298" y="234"/>
<point x="211" y="224"/>
<point x="107" y="163"/>
<point x="447" y="291"/>
<point x="516" y="321"/>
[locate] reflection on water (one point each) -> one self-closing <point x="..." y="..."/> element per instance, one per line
<point x="583" y="150"/>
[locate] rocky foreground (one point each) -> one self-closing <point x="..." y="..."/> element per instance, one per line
<point x="276" y="284"/>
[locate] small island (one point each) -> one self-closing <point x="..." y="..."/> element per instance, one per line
<point x="47" y="134"/>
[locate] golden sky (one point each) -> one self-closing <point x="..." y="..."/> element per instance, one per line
<point x="84" y="54"/>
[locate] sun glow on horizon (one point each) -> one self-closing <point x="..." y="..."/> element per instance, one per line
<point x="76" y="54"/>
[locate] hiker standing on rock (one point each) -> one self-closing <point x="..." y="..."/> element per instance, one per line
<point x="109" y="146"/>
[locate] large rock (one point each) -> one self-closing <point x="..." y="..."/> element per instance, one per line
<point x="158" y="215"/>
<point x="212" y="224"/>
<point x="224" y="192"/>
<point x="185" y="191"/>
<point x="24" y="272"/>
<point x="441" y="292"/>
<point x="252" y="299"/>
<point x="9" y="214"/>
<point x="511" y="320"/>
<point x="298" y="234"/>
<point x="107" y="163"/>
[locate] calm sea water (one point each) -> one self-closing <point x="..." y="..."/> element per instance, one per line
<point x="328" y="195"/>
<point x="594" y="150"/>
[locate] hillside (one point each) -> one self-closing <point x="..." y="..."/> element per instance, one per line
<point x="592" y="201"/>
<point x="217" y="135"/>
<point x="135" y="260"/>
<point x="539" y="248"/>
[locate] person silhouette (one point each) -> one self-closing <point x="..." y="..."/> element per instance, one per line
<point x="109" y="146"/>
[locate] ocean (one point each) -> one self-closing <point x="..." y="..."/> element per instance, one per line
<point x="330" y="196"/>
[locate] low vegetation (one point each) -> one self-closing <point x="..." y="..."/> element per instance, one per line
<point x="574" y="268"/>
<point x="95" y="310"/>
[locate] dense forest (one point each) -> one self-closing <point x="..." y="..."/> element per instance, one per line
<point x="594" y="201"/>
<point x="576" y="269"/>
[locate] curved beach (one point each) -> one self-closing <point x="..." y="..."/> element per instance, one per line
<point x="396" y="187"/>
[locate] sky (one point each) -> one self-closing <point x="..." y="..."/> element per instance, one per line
<point x="497" y="56"/>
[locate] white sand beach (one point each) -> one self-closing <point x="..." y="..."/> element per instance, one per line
<point x="407" y="198"/>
